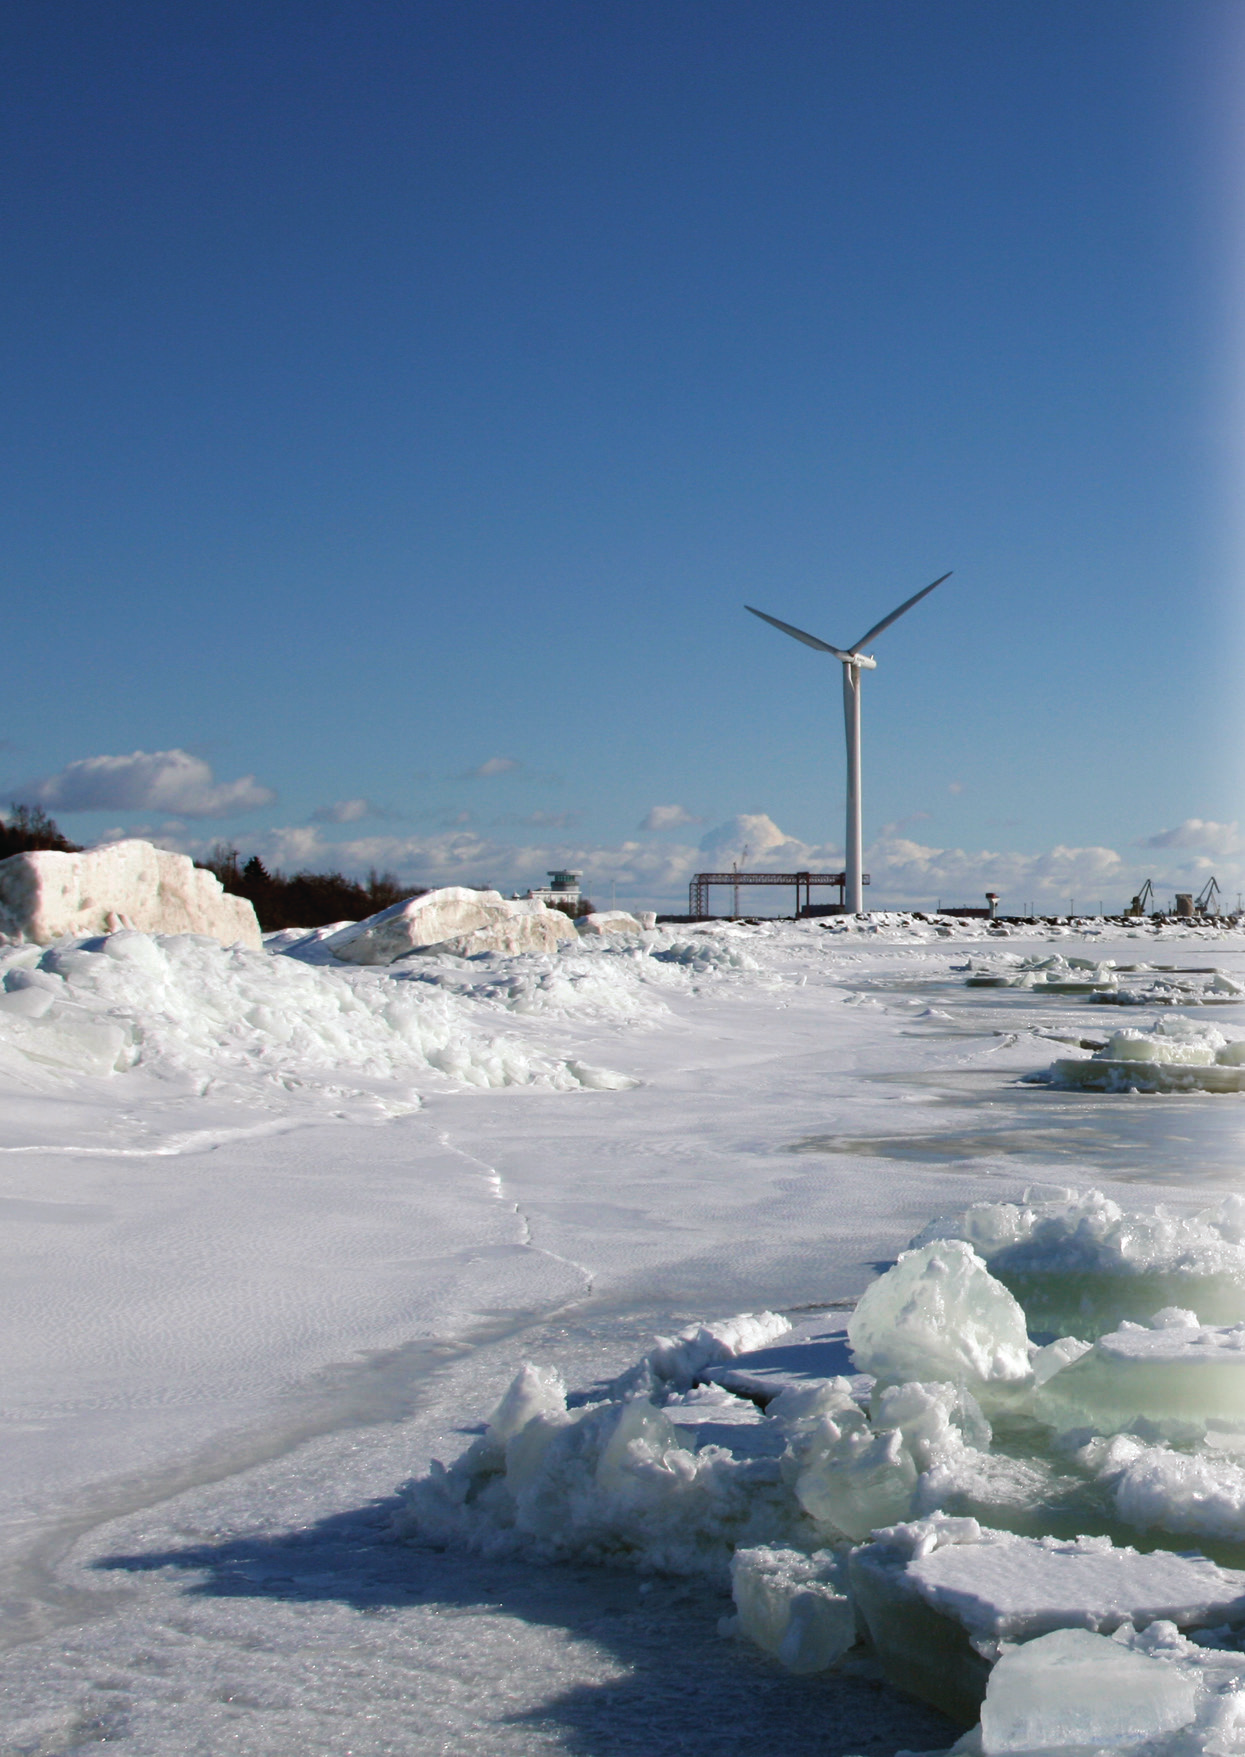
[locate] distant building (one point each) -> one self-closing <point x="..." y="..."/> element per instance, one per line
<point x="563" y="887"/>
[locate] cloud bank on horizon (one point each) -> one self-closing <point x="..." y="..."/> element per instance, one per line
<point x="905" y="873"/>
<point x="653" y="870"/>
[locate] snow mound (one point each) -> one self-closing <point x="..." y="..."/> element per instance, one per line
<point x="46" y="896"/>
<point x="704" y="953"/>
<point x="455" y="919"/>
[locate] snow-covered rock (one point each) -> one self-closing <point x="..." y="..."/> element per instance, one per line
<point x="941" y="1596"/>
<point x="47" y="895"/>
<point x="792" y="1605"/>
<point x="509" y="936"/>
<point x="453" y="919"/>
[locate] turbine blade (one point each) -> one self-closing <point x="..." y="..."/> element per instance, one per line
<point x="810" y="640"/>
<point x="896" y="614"/>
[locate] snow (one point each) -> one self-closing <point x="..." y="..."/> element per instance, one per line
<point x="46" y="896"/>
<point x="456" y="920"/>
<point x="298" y="1237"/>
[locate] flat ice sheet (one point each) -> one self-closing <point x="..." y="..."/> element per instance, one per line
<point x="1015" y="1588"/>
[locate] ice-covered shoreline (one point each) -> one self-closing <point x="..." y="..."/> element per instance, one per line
<point x="807" y="1102"/>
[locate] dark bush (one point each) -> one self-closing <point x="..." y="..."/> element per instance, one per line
<point x="28" y="828"/>
<point x="304" y="899"/>
<point x="574" y="910"/>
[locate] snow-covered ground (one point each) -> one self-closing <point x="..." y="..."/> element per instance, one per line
<point x="276" y="1234"/>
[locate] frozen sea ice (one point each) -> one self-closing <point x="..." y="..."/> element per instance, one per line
<point x="939" y="1314"/>
<point x="792" y="1606"/>
<point x="1074" y="1688"/>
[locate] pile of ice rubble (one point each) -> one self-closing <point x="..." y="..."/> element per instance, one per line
<point x="1143" y="985"/>
<point x="294" y="1020"/>
<point x="1034" y="1385"/>
<point x="1172" y="1055"/>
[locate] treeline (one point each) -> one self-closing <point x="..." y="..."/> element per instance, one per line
<point x="28" y="828"/>
<point x="304" y="899"/>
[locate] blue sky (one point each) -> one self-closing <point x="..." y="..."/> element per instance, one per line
<point x="403" y="400"/>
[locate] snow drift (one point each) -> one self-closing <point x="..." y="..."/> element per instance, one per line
<point x="265" y="1028"/>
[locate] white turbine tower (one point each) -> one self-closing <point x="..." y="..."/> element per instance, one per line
<point x="854" y="662"/>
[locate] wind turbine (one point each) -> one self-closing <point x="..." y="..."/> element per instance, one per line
<point x="854" y="662"/>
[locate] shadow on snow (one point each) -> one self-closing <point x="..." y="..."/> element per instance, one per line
<point x="672" y="1683"/>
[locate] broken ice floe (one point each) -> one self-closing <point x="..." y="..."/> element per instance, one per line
<point x="961" y="1504"/>
<point x="794" y="1606"/>
<point x="1079" y="1264"/>
<point x="940" y="1597"/>
<point x="1106" y="983"/>
<point x="1054" y="975"/>
<point x="1172" y="1055"/>
<point x="940" y="1314"/>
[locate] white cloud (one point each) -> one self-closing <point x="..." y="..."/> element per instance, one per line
<point x="909" y="872"/>
<point x="767" y="845"/>
<point x="1196" y="832"/>
<point x="495" y="765"/>
<point x="905" y="873"/>
<point x="346" y="811"/>
<point x="158" y="780"/>
<point x="669" y="817"/>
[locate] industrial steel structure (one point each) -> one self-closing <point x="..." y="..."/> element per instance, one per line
<point x="698" y="890"/>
